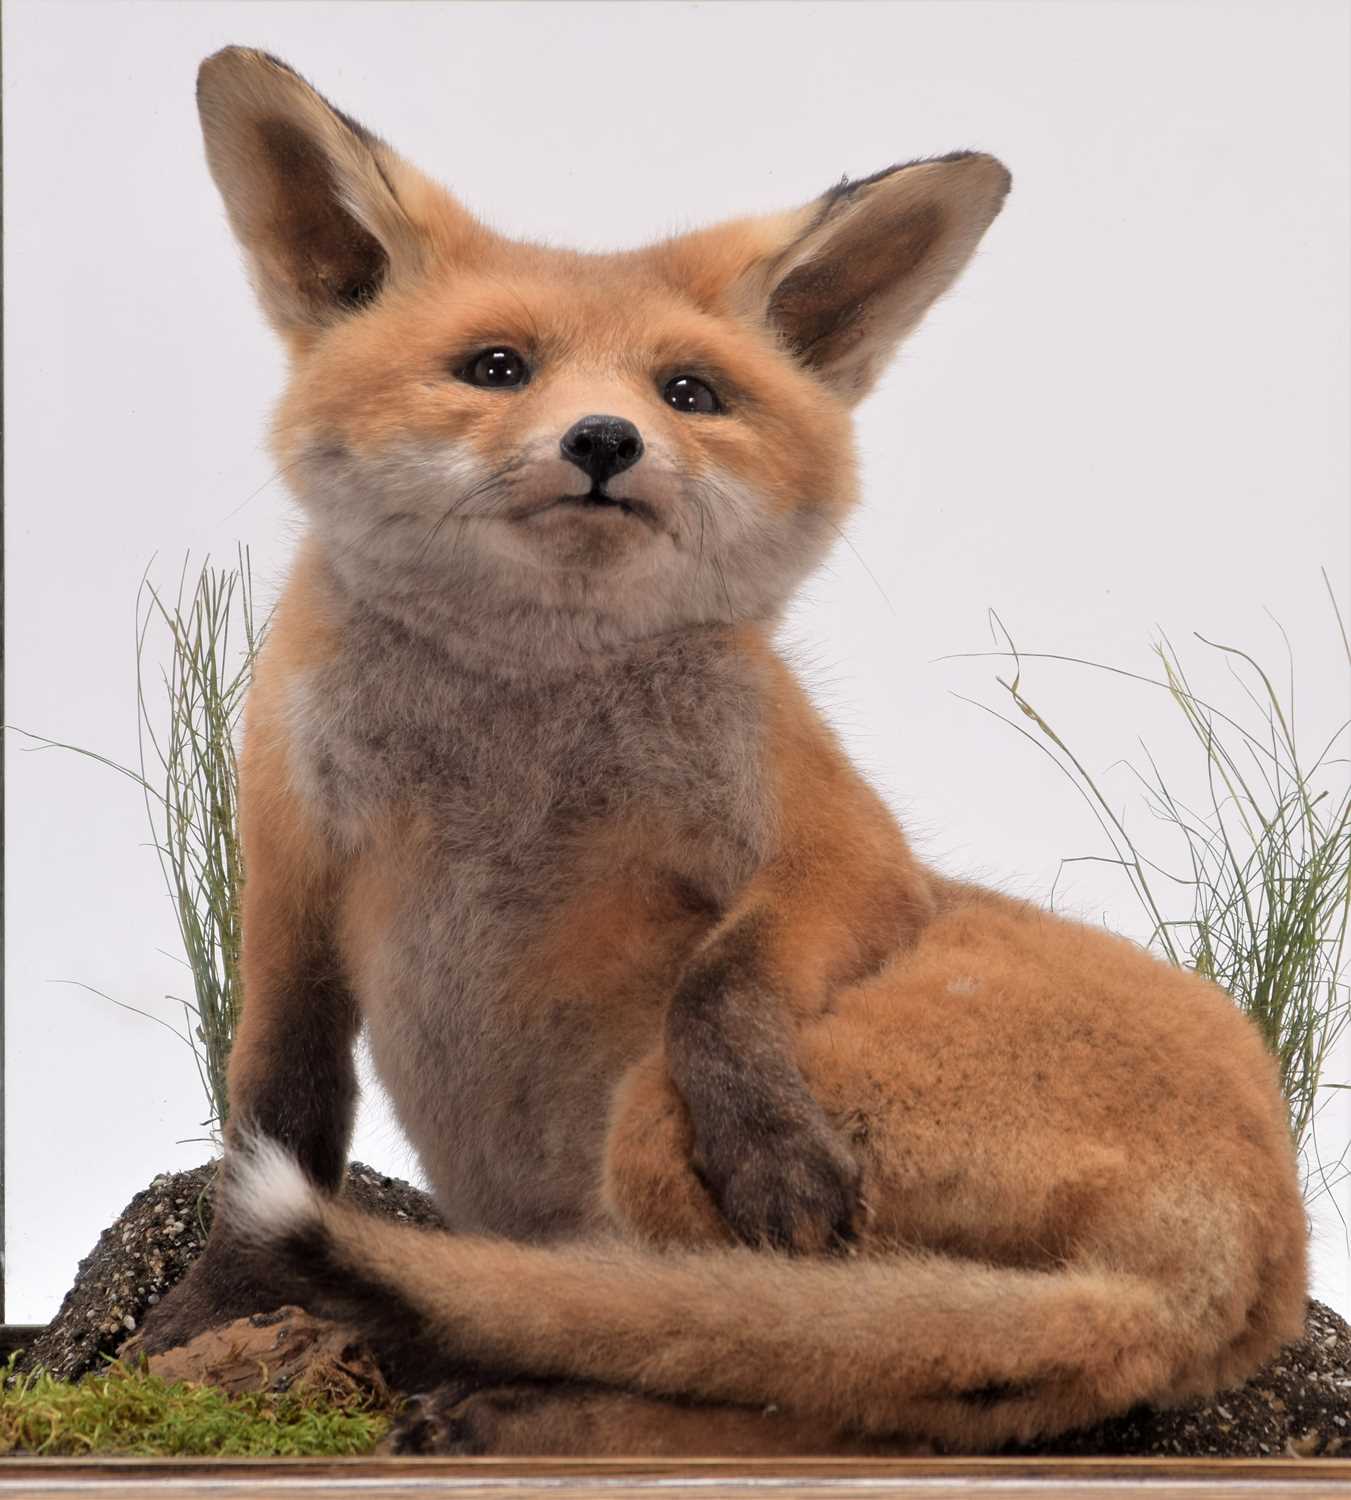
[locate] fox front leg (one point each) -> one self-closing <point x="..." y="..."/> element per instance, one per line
<point x="780" y="1173"/>
<point x="292" y="1072"/>
<point x="292" y="1079"/>
<point x="840" y="894"/>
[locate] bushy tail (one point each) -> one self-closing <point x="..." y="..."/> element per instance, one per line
<point x="907" y="1343"/>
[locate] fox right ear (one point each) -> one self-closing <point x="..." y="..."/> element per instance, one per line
<point x="323" y="208"/>
<point x="846" y="278"/>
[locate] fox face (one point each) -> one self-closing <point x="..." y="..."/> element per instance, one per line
<point x="541" y="432"/>
<point x="553" y="449"/>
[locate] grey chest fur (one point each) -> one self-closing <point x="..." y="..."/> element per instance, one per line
<point x="500" y="1073"/>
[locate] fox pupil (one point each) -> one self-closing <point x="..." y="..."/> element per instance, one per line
<point x="686" y="393"/>
<point x="497" y="369"/>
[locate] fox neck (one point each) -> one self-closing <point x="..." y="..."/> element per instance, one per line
<point x="482" y="630"/>
<point x="393" y="719"/>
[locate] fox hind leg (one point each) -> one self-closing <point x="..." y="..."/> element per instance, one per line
<point x="649" y="1187"/>
<point x="565" y="1419"/>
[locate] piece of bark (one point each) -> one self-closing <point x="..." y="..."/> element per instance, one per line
<point x="278" y="1351"/>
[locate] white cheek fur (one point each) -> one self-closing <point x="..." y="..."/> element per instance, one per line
<point x="433" y="523"/>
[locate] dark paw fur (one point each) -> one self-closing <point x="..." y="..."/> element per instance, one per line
<point x="215" y="1291"/>
<point x="465" y="1422"/>
<point x="428" y="1423"/>
<point x="795" y="1188"/>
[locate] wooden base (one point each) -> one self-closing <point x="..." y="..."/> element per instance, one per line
<point x="621" y="1479"/>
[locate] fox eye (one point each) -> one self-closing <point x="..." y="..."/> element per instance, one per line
<point x="686" y="393"/>
<point x="496" y="369"/>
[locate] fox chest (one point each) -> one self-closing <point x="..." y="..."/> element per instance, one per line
<point x="528" y="879"/>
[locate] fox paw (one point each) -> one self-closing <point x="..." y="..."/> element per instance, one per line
<point x="216" y="1291"/>
<point x="537" y="1418"/>
<point x="788" y="1187"/>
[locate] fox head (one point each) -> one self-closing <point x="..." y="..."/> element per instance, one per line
<point x="541" y="447"/>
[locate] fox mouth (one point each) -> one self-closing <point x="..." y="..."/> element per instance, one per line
<point x="597" y="502"/>
<point x="597" y="496"/>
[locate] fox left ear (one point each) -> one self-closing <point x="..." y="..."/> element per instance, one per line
<point x="326" y="212"/>
<point x="865" y="261"/>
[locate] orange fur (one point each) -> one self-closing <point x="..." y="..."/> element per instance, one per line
<point x="653" y="977"/>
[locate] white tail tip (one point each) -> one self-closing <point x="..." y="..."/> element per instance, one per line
<point x="266" y="1192"/>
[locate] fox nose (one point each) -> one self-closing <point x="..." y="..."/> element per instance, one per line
<point x="602" y="447"/>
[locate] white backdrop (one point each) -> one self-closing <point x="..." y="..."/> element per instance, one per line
<point x="1131" y="413"/>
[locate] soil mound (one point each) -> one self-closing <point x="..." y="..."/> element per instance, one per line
<point x="150" y="1246"/>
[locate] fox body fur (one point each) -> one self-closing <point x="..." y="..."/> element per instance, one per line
<point x="731" y="1105"/>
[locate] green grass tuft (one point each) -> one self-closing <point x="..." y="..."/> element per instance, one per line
<point x="127" y="1412"/>
<point x="188" y="776"/>
<point x="1263" y="861"/>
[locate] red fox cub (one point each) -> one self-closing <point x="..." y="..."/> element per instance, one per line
<point x="752" y="1132"/>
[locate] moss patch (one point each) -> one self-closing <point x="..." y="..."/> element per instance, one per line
<point x="126" y="1411"/>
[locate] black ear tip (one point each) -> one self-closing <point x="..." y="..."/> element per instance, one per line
<point x="249" y="73"/>
<point x="228" y="62"/>
<point x="228" y="57"/>
<point x="278" y="62"/>
<point x="991" y="179"/>
<point x="975" y="161"/>
<point x="234" y="62"/>
<point x="1000" y="178"/>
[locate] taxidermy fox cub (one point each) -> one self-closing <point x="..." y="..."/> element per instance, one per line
<point x="751" y="1131"/>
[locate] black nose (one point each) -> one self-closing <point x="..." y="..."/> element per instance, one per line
<point x="602" y="446"/>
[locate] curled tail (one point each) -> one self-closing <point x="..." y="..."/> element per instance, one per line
<point x="918" y="1343"/>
